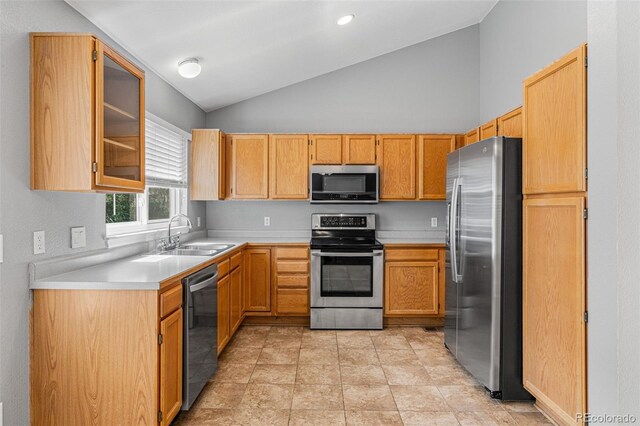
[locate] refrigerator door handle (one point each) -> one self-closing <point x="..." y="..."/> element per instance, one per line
<point x="453" y="222"/>
<point x="447" y="235"/>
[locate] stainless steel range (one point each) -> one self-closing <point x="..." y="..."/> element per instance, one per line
<point x="346" y="272"/>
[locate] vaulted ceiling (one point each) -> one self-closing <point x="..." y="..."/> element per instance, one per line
<point x="247" y="48"/>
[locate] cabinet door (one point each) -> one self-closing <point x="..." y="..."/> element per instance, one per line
<point x="119" y="121"/>
<point x="171" y="366"/>
<point x="235" y="297"/>
<point x="432" y="165"/>
<point x="224" y="311"/>
<point x="411" y="288"/>
<point x="359" y="149"/>
<point x="510" y="124"/>
<point x="208" y="165"/>
<point x="250" y="163"/>
<point x="325" y="149"/>
<point x="555" y="127"/>
<point x="397" y="161"/>
<point x="489" y="129"/>
<point x="554" y="303"/>
<point x="257" y="262"/>
<point x="289" y="166"/>
<point x="472" y="136"/>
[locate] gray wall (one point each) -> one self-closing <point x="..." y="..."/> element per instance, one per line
<point x="23" y="211"/>
<point x="296" y="215"/>
<point x="614" y="200"/>
<point x="517" y="38"/>
<point x="428" y="87"/>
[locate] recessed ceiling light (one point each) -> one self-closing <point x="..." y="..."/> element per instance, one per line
<point x="346" y="19"/>
<point x="189" y="68"/>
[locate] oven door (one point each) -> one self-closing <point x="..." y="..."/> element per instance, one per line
<point x="346" y="279"/>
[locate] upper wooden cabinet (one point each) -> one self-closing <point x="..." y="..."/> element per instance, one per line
<point x="359" y="149"/>
<point x="325" y="149"/>
<point x="432" y="165"/>
<point x="208" y="177"/>
<point x="554" y="294"/>
<point x="250" y="166"/>
<point x="510" y="124"/>
<point x="288" y="166"/>
<point x="397" y="161"/>
<point x="472" y="136"/>
<point x="87" y="116"/>
<point x="489" y="129"/>
<point x="555" y="127"/>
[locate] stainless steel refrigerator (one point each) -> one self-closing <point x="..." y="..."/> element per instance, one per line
<point x="483" y="313"/>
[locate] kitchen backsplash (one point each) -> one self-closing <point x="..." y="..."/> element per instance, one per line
<point x="296" y="215"/>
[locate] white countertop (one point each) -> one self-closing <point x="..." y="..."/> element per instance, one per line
<point x="147" y="271"/>
<point x="141" y="272"/>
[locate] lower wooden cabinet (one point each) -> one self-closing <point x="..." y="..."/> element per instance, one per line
<point x="554" y="295"/>
<point x="224" y="326"/>
<point x="413" y="284"/>
<point x="171" y="366"/>
<point x="292" y="280"/>
<point x="106" y="356"/>
<point x="235" y="299"/>
<point x="257" y="268"/>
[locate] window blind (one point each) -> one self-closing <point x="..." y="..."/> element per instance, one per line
<point x="166" y="156"/>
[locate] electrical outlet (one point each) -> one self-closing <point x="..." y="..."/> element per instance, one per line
<point x="198" y="221"/>
<point x="267" y="221"/>
<point x="434" y="222"/>
<point x="78" y="237"/>
<point x="38" y="242"/>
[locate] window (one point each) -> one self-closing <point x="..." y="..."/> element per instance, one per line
<point x="166" y="177"/>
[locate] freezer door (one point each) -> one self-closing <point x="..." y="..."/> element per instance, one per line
<point x="478" y="345"/>
<point x="451" y="288"/>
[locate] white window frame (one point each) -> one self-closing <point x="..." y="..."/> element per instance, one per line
<point x="179" y="199"/>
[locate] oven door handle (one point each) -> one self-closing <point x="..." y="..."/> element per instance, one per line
<point x="350" y="254"/>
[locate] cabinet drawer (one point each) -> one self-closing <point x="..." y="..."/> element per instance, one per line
<point x="170" y="300"/>
<point x="292" y="253"/>
<point x="293" y="302"/>
<point x="292" y="267"/>
<point x="292" y="281"/>
<point x="411" y="254"/>
<point x="223" y="268"/>
<point x="235" y="260"/>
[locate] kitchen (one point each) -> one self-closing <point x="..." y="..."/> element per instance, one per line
<point x="445" y="85"/>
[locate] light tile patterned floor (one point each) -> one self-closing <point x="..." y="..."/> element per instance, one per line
<point x="297" y="376"/>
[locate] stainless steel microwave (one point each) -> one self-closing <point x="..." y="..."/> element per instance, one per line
<point x="344" y="184"/>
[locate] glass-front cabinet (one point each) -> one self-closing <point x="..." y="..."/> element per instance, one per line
<point x="87" y="116"/>
<point x="120" y="106"/>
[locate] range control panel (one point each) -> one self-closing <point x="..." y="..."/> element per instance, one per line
<point x="343" y="221"/>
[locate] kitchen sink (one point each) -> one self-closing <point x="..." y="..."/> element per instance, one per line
<point x="197" y="249"/>
<point x="207" y="246"/>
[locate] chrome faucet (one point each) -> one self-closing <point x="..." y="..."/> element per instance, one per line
<point x="173" y="242"/>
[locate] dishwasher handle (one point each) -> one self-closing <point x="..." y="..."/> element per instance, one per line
<point x="203" y="284"/>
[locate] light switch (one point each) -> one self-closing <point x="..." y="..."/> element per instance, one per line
<point x="434" y="222"/>
<point x="198" y="221"/>
<point x="38" y="242"/>
<point x="78" y="237"/>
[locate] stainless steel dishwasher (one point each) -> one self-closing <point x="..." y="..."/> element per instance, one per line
<point x="200" y="347"/>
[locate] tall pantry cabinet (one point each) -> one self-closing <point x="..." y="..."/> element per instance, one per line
<point x="554" y="237"/>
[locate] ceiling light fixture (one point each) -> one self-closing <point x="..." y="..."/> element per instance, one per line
<point x="189" y="68"/>
<point x="346" y="19"/>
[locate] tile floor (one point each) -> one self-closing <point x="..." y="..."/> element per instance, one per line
<point x="297" y="376"/>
